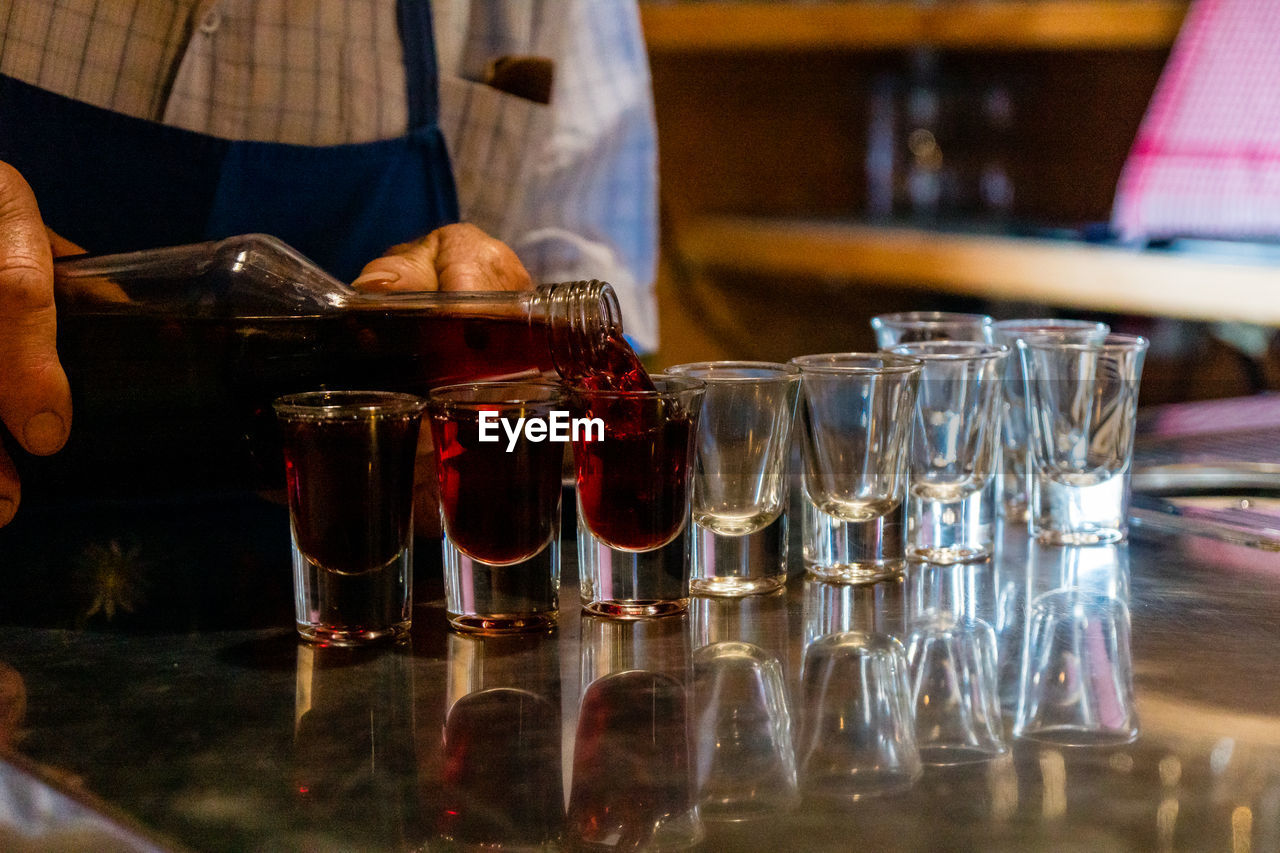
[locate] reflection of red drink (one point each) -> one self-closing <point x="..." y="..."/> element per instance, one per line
<point x="631" y="776"/>
<point x="351" y="488"/>
<point x="502" y="780"/>
<point x="498" y="506"/>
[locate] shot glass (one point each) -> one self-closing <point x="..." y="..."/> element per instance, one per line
<point x="349" y="459"/>
<point x="500" y="487"/>
<point x="1082" y="404"/>
<point x="501" y="781"/>
<point x="1077" y="671"/>
<point x="954" y="690"/>
<point x="632" y="781"/>
<point x="744" y="763"/>
<point x="857" y="738"/>
<point x="855" y="418"/>
<point x="911" y="326"/>
<point x="954" y="451"/>
<point x="633" y="478"/>
<point x="1015" y="484"/>
<point x="740" y="475"/>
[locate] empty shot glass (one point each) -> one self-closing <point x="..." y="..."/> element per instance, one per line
<point x="1082" y="406"/>
<point x="1015" y="483"/>
<point x="633" y="479"/>
<point x="740" y="475"/>
<point x="1076" y="687"/>
<point x="855" y="421"/>
<point x="349" y="462"/>
<point x="857" y="736"/>
<point x="910" y="326"/>
<point x="499" y="461"/>
<point x="954" y="451"/>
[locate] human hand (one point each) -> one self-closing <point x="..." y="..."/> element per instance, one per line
<point x="35" y="399"/>
<point x="455" y="257"/>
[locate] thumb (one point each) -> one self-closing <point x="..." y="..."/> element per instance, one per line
<point x="35" y="399"/>
<point x="408" y="266"/>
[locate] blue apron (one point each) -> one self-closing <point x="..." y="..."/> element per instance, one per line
<point x="114" y="183"/>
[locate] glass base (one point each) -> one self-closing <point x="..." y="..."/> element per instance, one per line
<point x="736" y="587"/>
<point x="491" y="598"/>
<point x="352" y="608"/>
<point x="853" y="551"/>
<point x="636" y="609"/>
<point x="856" y="573"/>
<point x="625" y="584"/>
<point x="327" y="636"/>
<point x="503" y="623"/>
<point x="1068" y="736"/>
<point x="1080" y="514"/>
<point x="1090" y="537"/>
<point x="836" y="789"/>
<point x="746" y="564"/>
<point x="949" y="756"/>
<point x="952" y="531"/>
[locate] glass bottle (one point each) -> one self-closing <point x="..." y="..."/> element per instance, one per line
<point x="175" y="354"/>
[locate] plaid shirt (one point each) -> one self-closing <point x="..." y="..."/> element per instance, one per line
<point x="570" y="185"/>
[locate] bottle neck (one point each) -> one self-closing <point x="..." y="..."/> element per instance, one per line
<point x="584" y="321"/>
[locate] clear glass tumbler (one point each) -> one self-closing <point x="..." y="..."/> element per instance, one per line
<point x="911" y="326"/>
<point x="955" y="450"/>
<point x="500" y="487"/>
<point x="740" y="475"/>
<point x="855" y="419"/>
<point x="1082" y="405"/>
<point x="1015" y="481"/>
<point x="633" y="479"/>
<point x="349" y="463"/>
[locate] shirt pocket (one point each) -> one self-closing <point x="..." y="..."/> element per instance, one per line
<point x="494" y="141"/>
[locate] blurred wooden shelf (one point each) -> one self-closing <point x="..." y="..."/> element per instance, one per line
<point x="1053" y="272"/>
<point x="704" y="25"/>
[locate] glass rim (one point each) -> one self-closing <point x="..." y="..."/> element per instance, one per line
<point x="932" y="318"/>
<point x="891" y="363"/>
<point x="338" y="404"/>
<point x="976" y="350"/>
<point x="688" y="383"/>
<point x="1113" y="342"/>
<point x="774" y="370"/>
<point x="1048" y="324"/>
<point x="443" y="395"/>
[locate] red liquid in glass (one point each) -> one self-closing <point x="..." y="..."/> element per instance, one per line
<point x="498" y="507"/>
<point x="350" y="515"/>
<point x="632" y="486"/>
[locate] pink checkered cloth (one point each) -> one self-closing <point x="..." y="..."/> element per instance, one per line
<point x="1206" y="162"/>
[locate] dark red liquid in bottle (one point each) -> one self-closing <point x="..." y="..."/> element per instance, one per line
<point x="167" y="401"/>
<point x="498" y="506"/>
<point x="351" y="516"/>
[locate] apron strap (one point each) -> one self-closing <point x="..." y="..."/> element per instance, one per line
<point x="418" y="44"/>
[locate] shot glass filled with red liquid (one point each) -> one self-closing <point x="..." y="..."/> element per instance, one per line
<point x="349" y="459"/>
<point x="499" y="457"/>
<point x="633" y="478"/>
